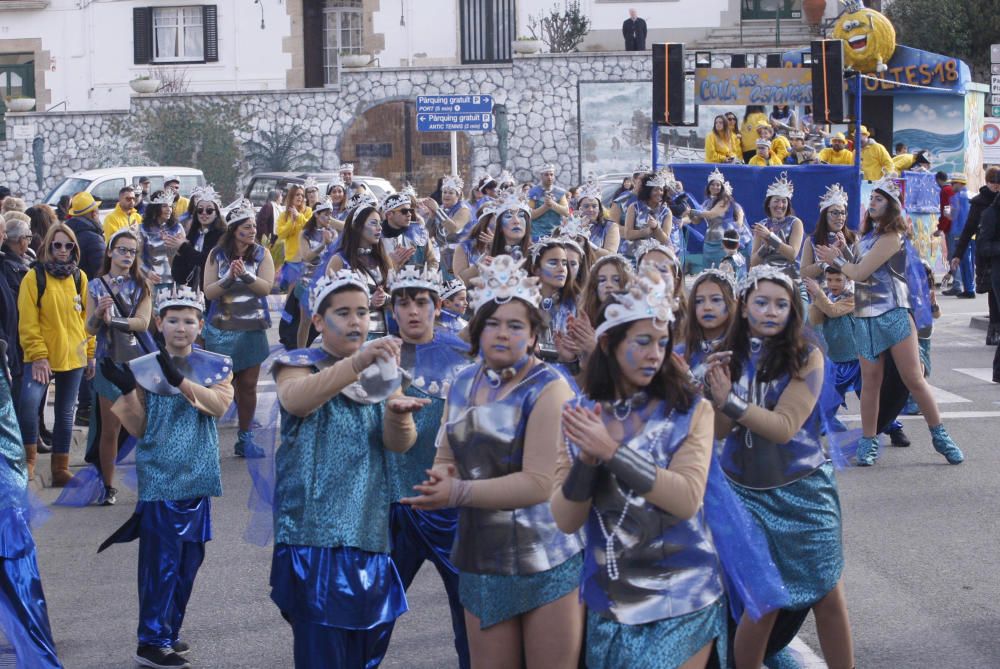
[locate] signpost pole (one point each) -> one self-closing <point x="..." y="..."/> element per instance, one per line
<point x="454" y="152"/>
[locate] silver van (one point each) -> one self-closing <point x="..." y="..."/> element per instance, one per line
<point x="104" y="184"/>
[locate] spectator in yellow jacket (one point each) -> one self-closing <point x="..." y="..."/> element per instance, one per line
<point x="752" y="117"/>
<point x="55" y="343"/>
<point x="780" y="147"/>
<point x="837" y="153"/>
<point x="292" y="220"/>
<point x="875" y="160"/>
<point x="764" y="156"/>
<point x="721" y="146"/>
<point x="916" y="162"/>
<point x="124" y="214"/>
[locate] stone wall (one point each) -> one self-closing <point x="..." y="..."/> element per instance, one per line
<point x="538" y="93"/>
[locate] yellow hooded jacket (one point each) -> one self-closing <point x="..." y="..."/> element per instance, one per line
<point x="56" y="330"/>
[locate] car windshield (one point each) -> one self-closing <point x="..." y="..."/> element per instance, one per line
<point x="70" y="187"/>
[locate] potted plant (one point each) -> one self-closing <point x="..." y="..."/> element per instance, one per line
<point x="351" y="59"/>
<point x="527" y="45"/>
<point x="19" y="103"/>
<point x="145" y="83"/>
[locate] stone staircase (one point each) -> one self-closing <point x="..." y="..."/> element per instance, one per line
<point x="758" y="37"/>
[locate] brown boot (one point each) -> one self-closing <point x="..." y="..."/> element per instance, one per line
<point x="31" y="455"/>
<point x="60" y="470"/>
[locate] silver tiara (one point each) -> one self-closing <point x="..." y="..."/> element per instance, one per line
<point x="336" y="281"/>
<point x="200" y="193"/>
<point x="180" y="296"/>
<point x="834" y="194"/>
<point x="412" y="276"/>
<point x="452" y="287"/>
<point x="361" y="198"/>
<point x="453" y="182"/>
<point x="395" y="201"/>
<point x="310" y="183"/>
<point x="503" y="280"/>
<point x="347" y="167"/>
<point x="650" y="244"/>
<point x="781" y="187"/>
<point x="511" y="201"/>
<point x="591" y="189"/>
<point x="335" y="181"/>
<point x="765" y="273"/>
<point x="649" y="296"/>
<point x="164" y="197"/>
<point x="715" y="273"/>
<point x="887" y="184"/>
<point x="240" y="210"/>
<point x="542" y="245"/>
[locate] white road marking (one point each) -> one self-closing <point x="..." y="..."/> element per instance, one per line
<point x="806" y="656"/>
<point x="944" y="415"/>
<point x="981" y="373"/>
<point x="944" y="397"/>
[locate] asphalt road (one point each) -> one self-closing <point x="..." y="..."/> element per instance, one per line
<point x="920" y="539"/>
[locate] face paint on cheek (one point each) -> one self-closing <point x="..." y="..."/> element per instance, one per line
<point x="331" y="322"/>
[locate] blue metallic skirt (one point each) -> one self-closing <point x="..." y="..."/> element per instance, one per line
<point x="877" y="334"/>
<point x="494" y="598"/>
<point x="664" y="644"/>
<point x="802" y="524"/>
<point x="247" y="348"/>
<point x="341" y="587"/>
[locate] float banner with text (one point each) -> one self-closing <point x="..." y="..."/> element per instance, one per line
<point x="753" y="86"/>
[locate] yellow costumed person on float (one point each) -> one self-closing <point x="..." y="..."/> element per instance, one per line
<point x="868" y="36"/>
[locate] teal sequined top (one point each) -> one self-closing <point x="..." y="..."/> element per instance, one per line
<point x="839" y="336"/>
<point x="178" y="456"/>
<point x="409" y="469"/>
<point x="332" y="486"/>
<point x="13" y="469"/>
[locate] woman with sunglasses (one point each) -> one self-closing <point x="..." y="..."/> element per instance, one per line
<point x="55" y="343"/>
<point x="207" y="227"/>
<point x="161" y="237"/>
<point x="118" y="313"/>
<point x="239" y="275"/>
<point x="831" y="229"/>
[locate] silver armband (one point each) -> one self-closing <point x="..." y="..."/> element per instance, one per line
<point x="840" y="261"/>
<point x="632" y="469"/>
<point x="735" y="406"/>
<point x="579" y="484"/>
<point x="774" y="240"/>
<point x="247" y="278"/>
<point x="227" y="281"/>
<point x="120" y="324"/>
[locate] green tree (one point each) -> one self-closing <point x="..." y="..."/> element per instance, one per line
<point x="961" y="28"/>
<point x="200" y="132"/>
<point x="561" y="30"/>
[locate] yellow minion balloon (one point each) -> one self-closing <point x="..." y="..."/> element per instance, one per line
<point x="868" y="36"/>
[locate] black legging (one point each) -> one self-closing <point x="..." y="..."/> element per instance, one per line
<point x="994" y="302"/>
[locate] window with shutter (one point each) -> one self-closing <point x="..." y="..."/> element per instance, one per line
<point x="210" y="20"/>
<point x="142" y="35"/>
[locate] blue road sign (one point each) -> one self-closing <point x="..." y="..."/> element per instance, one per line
<point x="454" y="113"/>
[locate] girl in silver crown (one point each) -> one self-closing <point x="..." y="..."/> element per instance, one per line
<point x="883" y="322"/>
<point x="239" y="274"/>
<point x="518" y="573"/>
<point x="765" y="381"/>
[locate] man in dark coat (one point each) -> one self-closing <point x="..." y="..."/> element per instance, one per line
<point x="634" y="30"/>
<point x="987" y="194"/>
<point x="988" y="253"/>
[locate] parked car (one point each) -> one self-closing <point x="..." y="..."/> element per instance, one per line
<point x="104" y="184"/>
<point x="609" y="184"/>
<point x="263" y="182"/>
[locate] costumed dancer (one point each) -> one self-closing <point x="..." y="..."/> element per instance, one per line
<point x="634" y="469"/>
<point x="184" y="391"/>
<point x="831" y="312"/>
<point x="337" y="195"/>
<point x="711" y="309"/>
<point x="119" y="308"/>
<point x="580" y="253"/>
<point x="733" y="262"/>
<point x="289" y="227"/>
<point x="548" y="201"/>
<point x="403" y="233"/>
<point x="549" y="263"/>
<point x="359" y="249"/>
<point x="239" y="275"/>
<point x="313" y="241"/>
<point x="207" y="226"/>
<point x="624" y="197"/>
<point x="518" y="573"/>
<point x="648" y="217"/>
<point x="331" y="574"/>
<point x="162" y="237"/>
<point x="454" y="305"/>
<point x="24" y="617"/>
<point x="513" y="233"/>
<point x="777" y="239"/>
<point x="608" y="275"/>
<point x="831" y="230"/>
<point x="604" y="235"/>
<point x="765" y="383"/>
<point x="478" y="245"/>
<point x="448" y="222"/>
<point x="721" y="213"/>
<point x="654" y="255"/>
<point x="431" y="358"/>
<point x="883" y="324"/>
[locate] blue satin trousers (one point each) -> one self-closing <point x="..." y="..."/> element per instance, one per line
<point x="24" y="617"/>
